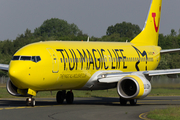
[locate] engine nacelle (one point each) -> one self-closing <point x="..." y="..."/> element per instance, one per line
<point x="133" y="87"/>
<point x="13" y="90"/>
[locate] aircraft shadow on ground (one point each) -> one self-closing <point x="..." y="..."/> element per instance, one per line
<point x="87" y="101"/>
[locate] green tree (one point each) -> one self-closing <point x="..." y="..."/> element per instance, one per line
<point x="114" y="37"/>
<point x="124" y="29"/>
<point x="56" y="27"/>
<point x="173" y="32"/>
<point x="7" y="47"/>
<point x="23" y="39"/>
<point x="165" y="62"/>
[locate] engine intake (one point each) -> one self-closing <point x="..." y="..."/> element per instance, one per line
<point x="133" y="87"/>
<point x="128" y="87"/>
<point x="12" y="89"/>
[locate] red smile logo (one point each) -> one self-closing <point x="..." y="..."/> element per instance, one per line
<point x="154" y="16"/>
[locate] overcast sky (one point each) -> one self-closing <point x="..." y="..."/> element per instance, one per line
<point x="91" y="16"/>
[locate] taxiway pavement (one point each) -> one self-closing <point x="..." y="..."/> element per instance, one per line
<point x="82" y="109"/>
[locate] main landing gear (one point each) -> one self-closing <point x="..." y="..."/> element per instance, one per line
<point x="124" y="101"/>
<point x="61" y="95"/>
<point x="30" y="102"/>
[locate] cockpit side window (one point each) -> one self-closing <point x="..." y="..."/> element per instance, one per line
<point x="15" y="57"/>
<point x="38" y="58"/>
<point x="33" y="58"/>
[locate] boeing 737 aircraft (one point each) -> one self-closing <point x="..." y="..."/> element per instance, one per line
<point x="62" y="66"/>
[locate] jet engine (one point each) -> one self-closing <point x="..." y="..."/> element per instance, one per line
<point x="133" y="87"/>
<point x="13" y="90"/>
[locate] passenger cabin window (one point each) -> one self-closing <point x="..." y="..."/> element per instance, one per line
<point x="27" y="58"/>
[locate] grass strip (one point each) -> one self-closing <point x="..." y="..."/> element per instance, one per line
<point x="97" y="93"/>
<point x="164" y="92"/>
<point x="171" y="113"/>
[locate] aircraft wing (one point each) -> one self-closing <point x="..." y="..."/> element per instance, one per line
<point x="4" y="67"/>
<point x="115" y="77"/>
<point x="170" y="51"/>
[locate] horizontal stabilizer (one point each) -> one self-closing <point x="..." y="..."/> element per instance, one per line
<point x="170" y="51"/>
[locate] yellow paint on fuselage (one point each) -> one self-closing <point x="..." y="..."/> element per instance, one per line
<point x="68" y="71"/>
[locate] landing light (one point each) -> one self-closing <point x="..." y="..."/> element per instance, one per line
<point x="30" y="99"/>
<point x="103" y="76"/>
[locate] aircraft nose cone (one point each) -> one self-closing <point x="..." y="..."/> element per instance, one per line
<point x="16" y="74"/>
<point x="13" y="72"/>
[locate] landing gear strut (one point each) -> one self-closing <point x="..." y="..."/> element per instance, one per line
<point x="61" y="95"/>
<point x="133" y="102"/>
<point x="30" y="102"/>
<point x="123" y="101"/>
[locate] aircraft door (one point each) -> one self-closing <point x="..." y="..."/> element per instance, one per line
<point x="55" y="61"/>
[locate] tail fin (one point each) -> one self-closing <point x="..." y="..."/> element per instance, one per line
<point x="149" y="35"/>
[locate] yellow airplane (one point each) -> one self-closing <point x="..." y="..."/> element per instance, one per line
<point x="58" y="65"/>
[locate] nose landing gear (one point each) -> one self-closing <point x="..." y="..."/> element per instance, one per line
<point x="61" y="95"/>
<point x="30" y="102"/>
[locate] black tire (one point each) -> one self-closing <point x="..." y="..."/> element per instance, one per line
<point x="123" y="101"/>
<point x="60" y="96"/>
<point x="27" y="102"/>
<point x="69" y="97"/>
<point x="33" y="102"/>
<point x="133" y="102"/>
<point x="30" y="102"/>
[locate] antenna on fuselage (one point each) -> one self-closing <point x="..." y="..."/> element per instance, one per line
<point x="88" y="39"/>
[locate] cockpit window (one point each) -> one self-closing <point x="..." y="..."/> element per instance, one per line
<point x="27" y="58"/>
<point x="33" y="58"/>
<point x="15" y="57"/>
<point x="36" y="58"/>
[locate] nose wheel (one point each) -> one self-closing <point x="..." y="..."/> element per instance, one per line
<point x="61" y="95"/>
<point x="30" y="102"/>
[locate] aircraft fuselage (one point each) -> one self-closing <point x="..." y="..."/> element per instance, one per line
<point x="69" y="65"/>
